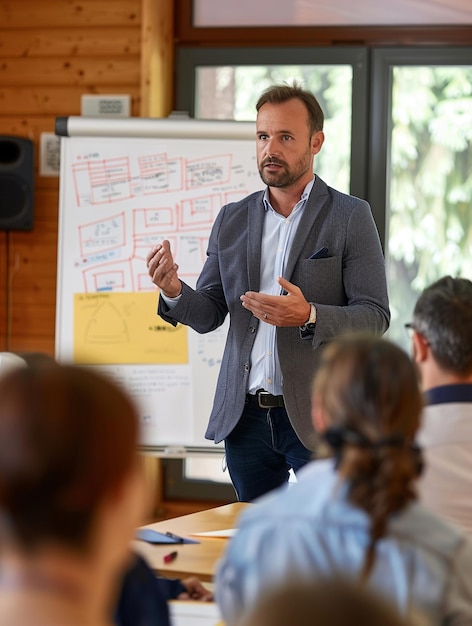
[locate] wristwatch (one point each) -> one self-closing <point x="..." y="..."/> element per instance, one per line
<point x="309" y="325"/>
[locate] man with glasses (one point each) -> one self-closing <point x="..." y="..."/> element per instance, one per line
<point x="442" y="349"/>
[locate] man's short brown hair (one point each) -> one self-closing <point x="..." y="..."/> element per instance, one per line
<point x="277" y="94"/>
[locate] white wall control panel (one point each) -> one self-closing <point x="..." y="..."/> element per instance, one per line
<point x="106" y="105"/>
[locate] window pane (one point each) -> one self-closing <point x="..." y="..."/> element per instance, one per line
<point x="231" y="92"/>
<point x="430" y="183"/>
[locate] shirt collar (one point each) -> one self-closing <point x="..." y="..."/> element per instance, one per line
<point x="449" y="394"/>
<point x="303" y="197"/>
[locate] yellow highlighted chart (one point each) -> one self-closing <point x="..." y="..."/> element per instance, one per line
<point x="117" y="328"/>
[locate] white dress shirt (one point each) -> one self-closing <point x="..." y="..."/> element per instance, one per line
<point x="277" y="238"/>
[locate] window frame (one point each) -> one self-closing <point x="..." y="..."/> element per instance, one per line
<point x="188" y="34"/>
<point x="188" y="59"/>
<point x="380" y="48"/>
<point x="178" y="487"/>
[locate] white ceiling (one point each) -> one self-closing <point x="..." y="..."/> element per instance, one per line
<point x="331" y="12"/>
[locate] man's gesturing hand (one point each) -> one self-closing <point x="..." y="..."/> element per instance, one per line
<point x="289" y="310"/>
<point x="163" y="270"/>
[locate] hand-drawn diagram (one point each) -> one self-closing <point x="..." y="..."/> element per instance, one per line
<point x="119" y="198"/>
<point x="123" y="327"/>
<point x="161" y="196"/>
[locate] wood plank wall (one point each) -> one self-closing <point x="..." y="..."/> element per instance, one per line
<point x="52" y="52"/>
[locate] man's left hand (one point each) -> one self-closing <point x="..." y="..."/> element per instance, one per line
<point x="288" y="310"/>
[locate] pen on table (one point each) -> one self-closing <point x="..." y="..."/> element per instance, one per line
<point x="176" y="538"/>
<point x="168" y="558"/>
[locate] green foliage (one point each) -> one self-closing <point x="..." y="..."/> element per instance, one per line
<point x="430" y="203"/>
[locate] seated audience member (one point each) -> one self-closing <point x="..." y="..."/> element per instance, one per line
<point x="442" y="350"/>
<point x="323" y="603"/>
<point x="143" y="595"/>
<point x="142" y="600"/>
<point x="355" y="514"/>
<point x="71" y="495"/>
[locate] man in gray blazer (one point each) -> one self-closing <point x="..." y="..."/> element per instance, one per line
<point x="294" y="265"/>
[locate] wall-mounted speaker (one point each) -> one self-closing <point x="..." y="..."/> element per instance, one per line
<point x="16" y="183"/>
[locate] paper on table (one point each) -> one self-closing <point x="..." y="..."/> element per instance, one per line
<point x="193" y="613"/>
<point x="223" y="534"/>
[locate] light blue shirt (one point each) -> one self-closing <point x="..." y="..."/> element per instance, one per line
<point x="277" y="237"/>
<point x="309" y="529"/>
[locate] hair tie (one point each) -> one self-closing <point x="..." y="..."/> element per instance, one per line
<point x="338" y="436"/>
<point x="394" y="441"/>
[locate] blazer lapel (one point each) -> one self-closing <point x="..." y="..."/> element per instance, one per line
<point x="255" y="223"/>
<point x="316" y="204"/>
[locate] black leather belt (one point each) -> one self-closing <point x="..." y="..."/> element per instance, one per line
<point x="265" y="400"/>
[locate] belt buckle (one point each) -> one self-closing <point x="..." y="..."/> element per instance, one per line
<point x="260" y="399"/>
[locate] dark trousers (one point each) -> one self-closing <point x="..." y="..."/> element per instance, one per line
<point x="261" y="450"/>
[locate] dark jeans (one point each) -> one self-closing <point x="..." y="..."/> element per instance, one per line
<point x="261" y="450"/>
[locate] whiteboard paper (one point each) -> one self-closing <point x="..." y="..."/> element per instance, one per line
<point x="119" y="196"/>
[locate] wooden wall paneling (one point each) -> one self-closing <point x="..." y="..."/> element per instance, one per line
<point x="46" y="200"/>
<point x="49" y="71"/>
<point x="59" y="100"/>
<point x="68" y="13"/>
<point x="52" y="52"/>
<point x="30" y="298"/>
<point x="39" y="343"/>
<point x="33" y="286"/>
<point x="157" y="58"/>
<point x="152" y="470"/>
<point x="31" y="312"/>
<point x="112" y="41"/>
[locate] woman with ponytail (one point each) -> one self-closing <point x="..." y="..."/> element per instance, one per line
<point x="354" y="514"/>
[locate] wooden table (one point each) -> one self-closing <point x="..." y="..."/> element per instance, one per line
<point x="197" y="559"/>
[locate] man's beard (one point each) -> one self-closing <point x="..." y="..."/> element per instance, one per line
<point x="283" y="177"/>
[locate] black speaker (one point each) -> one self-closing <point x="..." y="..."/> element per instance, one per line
<point x="16" y="183"/>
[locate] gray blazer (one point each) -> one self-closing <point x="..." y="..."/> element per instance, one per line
<point x="348" y="288"/>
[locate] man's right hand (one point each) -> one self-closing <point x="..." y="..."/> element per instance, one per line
<point x="163" y="270"/>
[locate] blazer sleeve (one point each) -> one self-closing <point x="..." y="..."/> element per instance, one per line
<point x="204" y="309"/>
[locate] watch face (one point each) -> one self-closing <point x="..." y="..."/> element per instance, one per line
<point x="312" y="319"/>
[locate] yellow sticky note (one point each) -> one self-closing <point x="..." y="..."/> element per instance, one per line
<point x="122" y="328"/>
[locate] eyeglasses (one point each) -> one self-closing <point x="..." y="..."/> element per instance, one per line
<point x="411" y="328"/>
